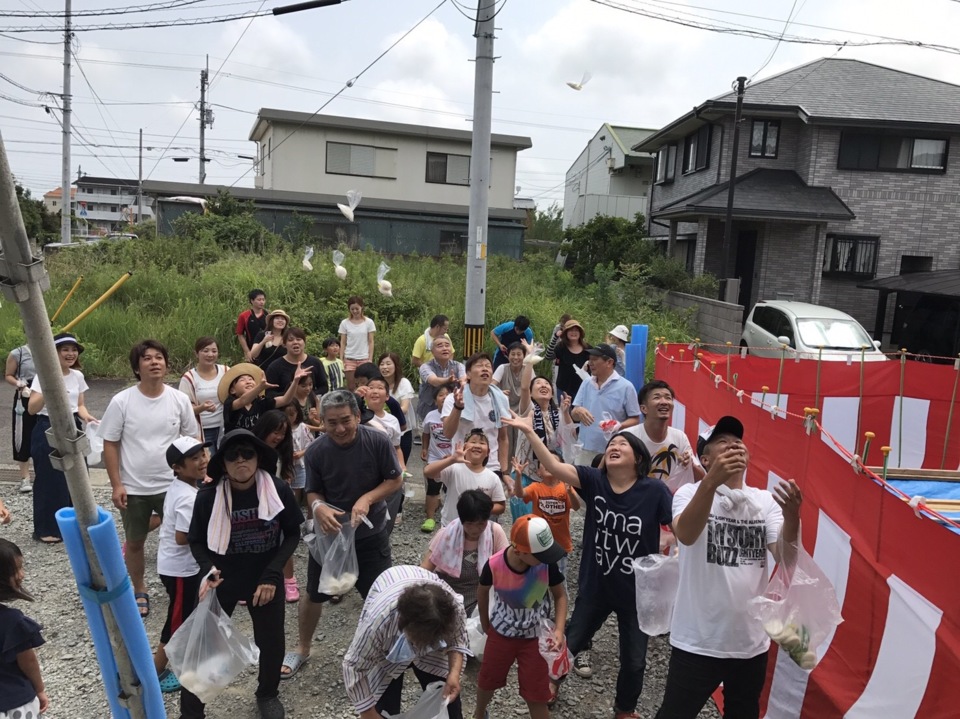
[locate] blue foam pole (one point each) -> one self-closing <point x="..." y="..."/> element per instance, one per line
<point x="103" y="537"/>
<point x="636" y="356"/>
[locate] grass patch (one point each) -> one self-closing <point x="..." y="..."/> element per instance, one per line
<point x="183" y="288"/>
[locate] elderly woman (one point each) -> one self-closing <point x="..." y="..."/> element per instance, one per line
<point x="410" y="617"/>
<point x="270" y="344"/>
<point x="245" y="526"/>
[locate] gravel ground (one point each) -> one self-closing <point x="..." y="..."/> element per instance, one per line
<point x="72" y="676"/>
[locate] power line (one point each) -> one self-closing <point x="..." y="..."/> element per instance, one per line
<point x="128" y="10"/>
<point x="18" y="101"/>
<point x="779" y="40"/>
<point x="217" y="73"/>
<point x="22" y="87"/>
<point x="143" y="25"/>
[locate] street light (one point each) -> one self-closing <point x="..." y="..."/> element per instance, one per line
<point x="310" y="5"/>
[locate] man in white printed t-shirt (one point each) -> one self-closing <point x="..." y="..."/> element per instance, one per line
<point x="671" y="457"/>
<point x="138" y="426"/>
<point x="724" y="529"/>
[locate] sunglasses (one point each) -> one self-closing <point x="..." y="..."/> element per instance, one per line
<point x="242" y="452"/>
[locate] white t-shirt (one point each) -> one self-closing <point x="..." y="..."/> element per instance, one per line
<point x="200" y="390"/>
<point x="721" y="572"/>
<point x="357" y="347"/>
<point x="440" y="445"/>
<point x="389" y="425"/>
<point x="76" y="385"/>
<point x="145" y="427"/>
<point x="459" y="478"/>
<point x="665" y="456"/>
<point x="175" y="560"/>
<point x="405" y="392"/>
<point x="483" y="410"/>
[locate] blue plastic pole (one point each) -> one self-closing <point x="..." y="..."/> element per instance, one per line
<point x="119" y="595"/>
<point x="636" y="355"/>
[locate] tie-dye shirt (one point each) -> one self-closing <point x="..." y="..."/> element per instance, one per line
<point x="520" y="599"/>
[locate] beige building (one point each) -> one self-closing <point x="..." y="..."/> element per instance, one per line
<point x="53" y="200"/>
<point x="325" y="154"/>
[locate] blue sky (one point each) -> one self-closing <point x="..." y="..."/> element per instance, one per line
<point x="645" y="73"/>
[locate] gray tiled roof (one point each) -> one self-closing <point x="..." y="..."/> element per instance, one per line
<point x="774" y="194"/>
<point x="855" y="90"/>
<point x="939" y="282"/>
<point x="627" y="137"/>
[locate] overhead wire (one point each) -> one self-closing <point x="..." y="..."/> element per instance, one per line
<point x="127" y="10"/>
<point x="346" y="86"/>
<point x="213" y="79"/>
<point x="145" y="25"/>
<point x="777" y="44"/>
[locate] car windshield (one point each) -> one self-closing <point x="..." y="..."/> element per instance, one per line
<point x="833" y="334"/>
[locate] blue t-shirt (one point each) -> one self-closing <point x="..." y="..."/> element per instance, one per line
<point x="617" y="397"/>
<point x="18" y="633"/>
<point x="618" y="528"/>
<point x="508" y="336"/>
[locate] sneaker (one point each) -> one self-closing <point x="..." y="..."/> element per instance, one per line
<point x="26" y="486"/>
<point x="399" y="520"/>
<point x="290" y="590"/>
<point x="270" y="708"/>
<point x="428" y="526"/>
<point x="581" y="665"/>
<point x="417" y="441"/>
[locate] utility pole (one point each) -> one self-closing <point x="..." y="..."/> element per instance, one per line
<point x="140" y="182"/>
<point x="66" y="236"/>
<point x="726" y="263"/>
<point x="204" y="76"/>
<point x="476" y="294"/>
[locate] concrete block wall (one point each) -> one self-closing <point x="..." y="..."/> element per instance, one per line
<point x="715" y="322"/>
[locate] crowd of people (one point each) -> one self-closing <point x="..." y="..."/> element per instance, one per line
<point x="236" y="466"/>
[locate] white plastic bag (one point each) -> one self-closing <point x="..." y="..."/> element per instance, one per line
<point x="558" y="657"/>
<point x="384" y="285"/>
<point x="95" y="457"/>
<point x="353" y="199"/>
<point x="306" y="258"/>
<point x="340" y="567"/>
<point x="206" y="653"/>
<point x="478" y="640"/>
<point x="338" y="269"/>
<point x="656" y="578"/>
<point x="799" y="609"/>
<point x="431" y="705"/>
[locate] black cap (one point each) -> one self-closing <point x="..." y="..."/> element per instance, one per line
<point x="724" y="425"/>
<point x="184" y="447"/>
<point x="266" y="455"/>
<point x="603" y="350"/>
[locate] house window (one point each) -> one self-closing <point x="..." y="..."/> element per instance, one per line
<point x="696" y="150"/>
<point x="666" y="163"/>
<point x="113" y="208"/>
<point x="851" y="255"/>
<point x="873" y="151"/>
<point x="361" y="160"/>
<point x="765" y="138"/>
<point x="448" y="169"/>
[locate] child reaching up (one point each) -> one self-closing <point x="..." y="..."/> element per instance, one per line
<point x="527" y="585"/>
<point x="552" y="500"/>
<point x="436" y="446"/>
<point x="21" y="687"/>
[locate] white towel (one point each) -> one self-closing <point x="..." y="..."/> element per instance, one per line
<point x="448" y="554"/>
<point x="218" y="531"/>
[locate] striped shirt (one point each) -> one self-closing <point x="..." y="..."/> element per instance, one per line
<point x="366" y="671"/>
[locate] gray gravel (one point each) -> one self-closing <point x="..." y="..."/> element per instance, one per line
<point x="72" y="676"/>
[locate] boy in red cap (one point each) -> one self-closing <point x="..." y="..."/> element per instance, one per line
<point x="526" y="585"/>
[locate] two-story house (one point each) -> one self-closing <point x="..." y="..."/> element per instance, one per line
<point x="415" y="179"/>
<point x="844" y="174"/>
<point x="608" y="177"/>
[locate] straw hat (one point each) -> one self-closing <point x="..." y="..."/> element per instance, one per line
<point x="277" y="313"/>
<point x="234" y="373"/>
<point x="570" y="324"/>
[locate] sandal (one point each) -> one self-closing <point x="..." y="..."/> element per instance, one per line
<point x="51" y="540"/>
<point x="168" y="682"/>
<point x="293" y="662"/>
<point x="554" y="692"/>
<point x="143" y="603"/>
<point x="290" y="590"/>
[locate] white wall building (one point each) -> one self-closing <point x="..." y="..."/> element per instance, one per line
<point x="107" y="204"/>
<point x="325" y="154"/>
<point x="608" y="178"/>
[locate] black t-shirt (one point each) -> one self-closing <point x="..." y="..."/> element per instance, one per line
<point x="18" y="633"/>
<point x="267" y="354"/>
<point x="567" y="379"/>
<point x="618" y="528"/>
<point x="341" y="475"/>
<point x="253" y="542"/>
<point x="253" y="325"/>
<point x="245" y="417"/>
<point x="282" y="370"/>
